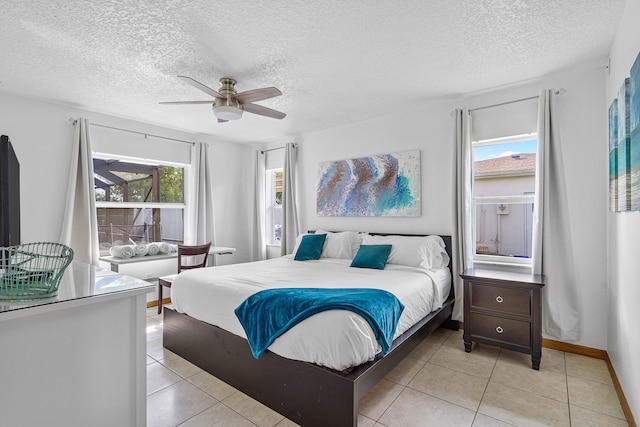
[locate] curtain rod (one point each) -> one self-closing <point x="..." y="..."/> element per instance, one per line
<point x="275" y="148"/>
<point x="504" y="103"/>
<point x="560" y="91"/>
<point x="74" y="121"/>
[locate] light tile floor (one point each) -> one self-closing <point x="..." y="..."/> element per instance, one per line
<point x="438" y="384"/>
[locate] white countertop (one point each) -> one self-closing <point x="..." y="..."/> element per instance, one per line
<point x="81" y="284"/>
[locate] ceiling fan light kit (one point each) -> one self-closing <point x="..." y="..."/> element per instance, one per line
<point x="229" y="105"/>
<point x="227" y="112"/>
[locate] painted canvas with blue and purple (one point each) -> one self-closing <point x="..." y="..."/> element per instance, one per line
<point x="381" y="185"/>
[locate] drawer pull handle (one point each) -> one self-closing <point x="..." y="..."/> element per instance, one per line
<point x="499" y="329"/>
<point x="499" y="298"/>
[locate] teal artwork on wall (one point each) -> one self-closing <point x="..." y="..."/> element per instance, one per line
<point x="624" y="144"/>
<point x="634" y="126"/>
<point x="613" y="155"/>
<point x="624" y="147"/>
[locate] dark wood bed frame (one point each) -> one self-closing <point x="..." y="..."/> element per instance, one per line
<point x="305" y="393"/>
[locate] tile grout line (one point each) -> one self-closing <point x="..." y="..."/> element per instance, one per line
<point x="486" y="387"/>
<point x="601" y="383"/>
<point x="404" y="387"/>
<point x="190" y="418"/>
<point x="453" y="403"/>
<point x="566" y="379"/>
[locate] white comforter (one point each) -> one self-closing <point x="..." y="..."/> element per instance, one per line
<point x="337" y="339"/>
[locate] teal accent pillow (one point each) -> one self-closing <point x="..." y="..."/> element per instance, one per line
<point x="372" y="256"/>
<point x="310" y="247"/>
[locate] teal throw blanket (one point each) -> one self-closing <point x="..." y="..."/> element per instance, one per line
<point x="268" y="314"/>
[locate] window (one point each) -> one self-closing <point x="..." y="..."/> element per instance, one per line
<point x="138" y="201"/>
<point x="504" y="173"/>
<point x="273" y="201"/>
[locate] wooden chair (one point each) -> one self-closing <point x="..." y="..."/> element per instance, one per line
<point x="192" y="253"/>
<point x="189" y="257"/>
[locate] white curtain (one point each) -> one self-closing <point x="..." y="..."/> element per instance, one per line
<point x="290" y="228"/>
<point x="199" y="227"/>
<point x="259" y="244"/>
<point x="552" y="244"/>
<point x="80" y="222"/>
<point x="462" y="239"/>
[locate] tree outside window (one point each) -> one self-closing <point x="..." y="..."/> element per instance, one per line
<point x="138" y="202"/>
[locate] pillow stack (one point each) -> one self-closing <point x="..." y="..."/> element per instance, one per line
<point x="413" y="251"/>
<point x="373" y="251"/>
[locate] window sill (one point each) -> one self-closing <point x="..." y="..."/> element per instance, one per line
<point x="504" y="266"/>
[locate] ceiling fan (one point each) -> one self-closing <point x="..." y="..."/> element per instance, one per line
<point x="229" y="105"/>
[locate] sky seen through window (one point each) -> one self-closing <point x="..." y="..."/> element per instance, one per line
<point x="501" y="150"/>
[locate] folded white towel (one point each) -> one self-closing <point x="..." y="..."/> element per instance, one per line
<point x="128" y="251"/>
<point x="141" y="249"/>
<point x="165" y="248"/>
<point x="174" y="248"/>
<point x="153" y="248"/>
<point x="122" y="251"/>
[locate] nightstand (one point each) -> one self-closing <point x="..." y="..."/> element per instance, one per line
<point x="504" y="309"/>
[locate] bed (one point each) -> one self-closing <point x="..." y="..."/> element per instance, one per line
<point x="308" y="387"/>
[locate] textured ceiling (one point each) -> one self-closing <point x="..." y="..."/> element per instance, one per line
<point x="335" y="61"/>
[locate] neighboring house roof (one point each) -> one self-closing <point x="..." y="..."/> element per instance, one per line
<point x="516" y="164"/>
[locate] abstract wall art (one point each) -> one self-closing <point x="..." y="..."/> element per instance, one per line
<point x="624" y="147"/>
<point x="624" y="144"/>
<point x="634" y="129"/>
<point x="380" y="185"/>
<point x="613" y="155"/>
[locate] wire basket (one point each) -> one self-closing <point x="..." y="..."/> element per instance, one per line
<point x="32" y="270"/>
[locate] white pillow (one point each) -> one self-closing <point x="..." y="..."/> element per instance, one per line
<point x="338" y="245"/>
<point x="413" y="251"/>
<point x="356" y="242"/>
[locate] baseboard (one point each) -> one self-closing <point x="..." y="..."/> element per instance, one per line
<point x="154" y="303"/>
<point x="597" y="354"/>
<point x="623" y="400"/>
<point x="575" y="349"/>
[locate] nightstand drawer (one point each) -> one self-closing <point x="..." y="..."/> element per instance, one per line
<point x="500" y="329"/>
<point x="502" y="299"/>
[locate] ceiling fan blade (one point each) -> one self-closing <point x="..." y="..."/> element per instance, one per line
<point x="185" y="102"/>
<point x="258" y="94"/>
<point x="222" y="121"/>
<point x="263" y="111"/>
<point x="200" y="86"/>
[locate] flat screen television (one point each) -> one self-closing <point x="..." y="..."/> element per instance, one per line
<point x="9" y="194"/>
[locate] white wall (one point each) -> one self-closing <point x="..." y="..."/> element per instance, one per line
<point x="429" y="128"/>
<point x="42" y="135"/>
<point x="623" y="345"/>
